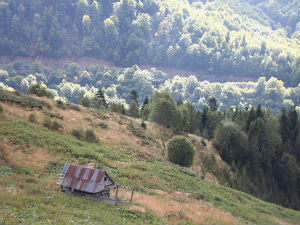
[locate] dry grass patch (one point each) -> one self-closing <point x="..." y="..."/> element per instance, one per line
<point x="25" y="157"/>
<point x="175" y="208"/>
<point x="277" y="220"/>
<point x="11" y="190"/>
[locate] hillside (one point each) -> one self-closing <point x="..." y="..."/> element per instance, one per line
<point x="31" y="157"/>
<point x="239" y="38"/>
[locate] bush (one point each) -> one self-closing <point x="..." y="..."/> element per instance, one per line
<point x="90" y="136"/>
<point x="78" y="133"/>
<point x="143" y="124"/>
<point x="203" y="143"/>
<point x="103" y="125"/>
<point x="56" y="125"/>
<point x="1" y="108"/>
<point x="32" y="118"/>
<point x="47" y="122"/>
<point x="40" y="90"/>
<point x="181" y="151"/>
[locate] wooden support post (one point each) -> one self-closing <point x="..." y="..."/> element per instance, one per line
<point x="131" y="195"/>
<point x="117" y="189"/>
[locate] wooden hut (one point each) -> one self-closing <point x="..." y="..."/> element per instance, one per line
<point x="87" y="182"/>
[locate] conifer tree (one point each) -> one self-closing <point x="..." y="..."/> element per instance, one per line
<point x="283" y="129"/>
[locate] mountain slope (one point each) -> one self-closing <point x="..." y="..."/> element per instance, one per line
<point x="32" y="156"/>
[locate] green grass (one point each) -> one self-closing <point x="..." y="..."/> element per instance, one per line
<point x="142" y="175"/>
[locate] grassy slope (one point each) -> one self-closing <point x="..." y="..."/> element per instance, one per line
<point x="29" y="194"/>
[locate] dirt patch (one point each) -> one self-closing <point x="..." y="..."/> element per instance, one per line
<point x="168" y="207"/>
<point x="25" y="157"/>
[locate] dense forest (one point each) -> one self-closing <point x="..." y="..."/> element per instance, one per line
<point x="250" y="38"/>
<point x="71" y="82"/>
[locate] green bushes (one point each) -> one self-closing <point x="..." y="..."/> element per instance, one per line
<point x="32" y="118"/>
<point x="40" y="90"/>
<point x="103" y="125"/>
<point x="143" y="124"/>
<point x="90" y="136"/>
<point x="52" y="125"/>
<point x="181" y="151"/>
<point x="1" y="108"/>
<point x="87" y="135"/>
<point x="47" y="122"/>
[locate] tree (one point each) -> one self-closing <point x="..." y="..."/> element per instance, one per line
<point x="232" y="143"/>
<point x="84" y="100"/>
<point x="283" y="129"/>
<point x="163" y="109"/>
<point x="133" y="110"/>
<point x="212" y="102"/>
<point x="39" y="89"/>
<point x="133" y="95"/>
<point x="99" y="99"/>
<point x="181" y="151"/>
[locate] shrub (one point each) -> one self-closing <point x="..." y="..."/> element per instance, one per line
<point x="56" y="125"/>
<point x="40" y="90"/>
<point x="32" y="118"/>
<point x="90" y="136"/>
<point x="181" y="151"/>
<point x="1" y="108"/>
<point x="47" y="122"/>
<point x="103" y="125"/>
<point x="143" y="124"/>
<point x="203" y="143"/>
<point x="78" y="133"/>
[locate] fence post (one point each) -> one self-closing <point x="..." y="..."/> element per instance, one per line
<point x="131" y="195"/>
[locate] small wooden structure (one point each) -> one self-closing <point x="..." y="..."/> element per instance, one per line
<point x="90" y="182"/>
<point x="87" y="182"/>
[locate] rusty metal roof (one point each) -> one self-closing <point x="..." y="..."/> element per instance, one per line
<point x="84" y="179"/>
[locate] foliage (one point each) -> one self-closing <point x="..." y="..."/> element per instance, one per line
<point x="246" y="38"/>
<point x="103" y="125"/>
<point x="47" y="122"/>
<point x="57" y="125"/>
<point x="133" y="110"/>
<point x="78" y="133"/>
<point x="181" y="151"/>
<point x="32" y="118"/>
<point x="90" y="136"/>
<point x="23" y="100"/>
<point x="117" y="84"/>
<point x="143" y="124"/>
<point x="40" y="90"/>
<point x="1" y="109"/>
<point x="163" y="110"/>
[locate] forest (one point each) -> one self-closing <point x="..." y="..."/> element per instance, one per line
<point x="250" y="38"/>
<point x="71" y="82"/>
